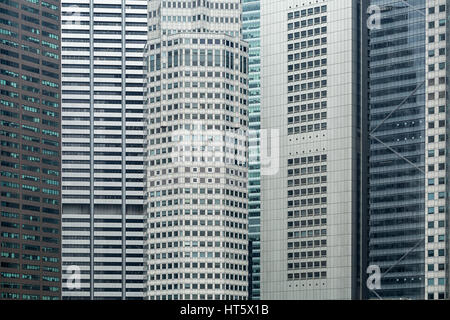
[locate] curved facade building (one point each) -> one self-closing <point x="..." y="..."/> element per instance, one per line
<point x="196" y="239"/>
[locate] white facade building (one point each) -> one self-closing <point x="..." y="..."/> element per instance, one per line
<point x="102" y="147"/>
<point x="310" y="92"/>
<point x="197" y="151"/>
<point x="436" y="151"/>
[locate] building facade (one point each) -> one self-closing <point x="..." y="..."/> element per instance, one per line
<point x="30" y="114"/>
<point x="408" y="157"/>
<point x="397" y="148"/>
<point x="312" y="222"/>
<point x="437" y="272"/>
<point x="197" y="151"/>
<point x="251" y="34"/>
<point x="102" y="148"/>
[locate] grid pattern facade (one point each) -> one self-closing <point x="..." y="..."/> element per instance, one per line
<point x="197" y="152"/>
<point x="436" y="146"/>
<point x="310" y="92"/>
<point x="102" y="147"/>
<point x="30" y="220"/>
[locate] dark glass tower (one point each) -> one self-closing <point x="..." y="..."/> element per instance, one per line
<point x="30" y="254"/>
<point x="397" y="148"/>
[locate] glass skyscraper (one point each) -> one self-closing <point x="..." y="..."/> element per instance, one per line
<point x="251" y="34"/>
<point x="397" y="148"/>
<point x="196" y="235"/>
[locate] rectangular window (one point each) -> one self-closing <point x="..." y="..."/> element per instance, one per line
<point x="217" y="58"/>
<point x="187" y="57"/>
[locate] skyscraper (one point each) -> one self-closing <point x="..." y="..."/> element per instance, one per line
<point x="197" y="151"/>
<point x="102" y="151"/>
<point x="437" y="274"/>
<point x="312" y="217"/>
<point x="30" y="220"/>
<point x="251" y="34"/>
<point x="408" y="157"/>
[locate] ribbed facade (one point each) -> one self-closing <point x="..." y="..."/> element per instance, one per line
<point x="197" y="152"/>
<point x="30" y="122"/>
<point x="102" y="147"/>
